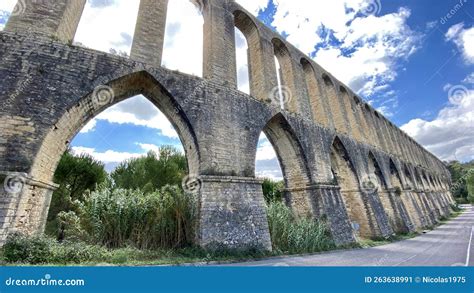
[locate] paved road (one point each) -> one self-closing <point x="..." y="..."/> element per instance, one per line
<point x="447" y="245"/>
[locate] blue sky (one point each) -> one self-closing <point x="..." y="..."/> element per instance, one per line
<point x="412" y="60"/>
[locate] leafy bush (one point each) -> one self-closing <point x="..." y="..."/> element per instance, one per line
<point x="23" y="249"/>
<point x="69" y="227"/>
<point x="150" y="173"/>
<point x="41" y="250"/>
<point x="120" y="218"/>
<point x="272" y="190"/>
<point x="78" y="252"/>
<point x="75" y="174"/>
<point x="291" y="234"/>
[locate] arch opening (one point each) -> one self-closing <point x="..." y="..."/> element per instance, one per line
<point x="345" y="176"/>
<point x="60" y="136"/>
<point x="390" y="201"/>
<point x="285" y="76"/>
<point x="108" y="27"/>
<point x="315" y="98"/>
<point x="253" y="55"/>
<point x="184" y="38"/>
<point x="334" y="104"/>
<point x="292" y="161"/>
<point x="242" y="62"/>
<point x="85" y="117"/>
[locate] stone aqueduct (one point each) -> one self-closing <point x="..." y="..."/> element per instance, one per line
<point x="341" y="159"/>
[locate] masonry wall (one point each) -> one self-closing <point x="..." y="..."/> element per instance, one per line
<point x="50" y="90"/>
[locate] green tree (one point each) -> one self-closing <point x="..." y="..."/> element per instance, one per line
<point x="152" y="172"/>
<point x="75" y="175"/>
<point x="272" y="190"/>
<point x="462" y="176"/>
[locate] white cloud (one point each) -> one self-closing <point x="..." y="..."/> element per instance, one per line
<point x="141" y="112"/>
<point x="242" y="62"/>
<point x="7" y="5"/>
<point x="183" y="47"/>
<point x="265" y="150"/>
<point x="253" y="6"/>
<point x="106" y="157"/>
<point x="450" y="135"/>
<point x="109" y="25"/>
<point x="469" y="79"/>
<point x="149" y="147"/>
<point x="136" y="111"/>
<point x="464" y="40"/>
<point x="369" y="48"/>
<point x="274" y="175"/>
<point x="89" y="127"/>
<point x="111" y="156"/>
<point x="266" y="165"/>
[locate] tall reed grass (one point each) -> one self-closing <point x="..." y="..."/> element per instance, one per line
<point x="291" y="234"/>
<point x="119" y="218"/>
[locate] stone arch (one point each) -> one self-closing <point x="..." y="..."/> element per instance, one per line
<point x="287" y="75"/>
<point x="408" y="211"/>
<point x="293" y="162"/>
<point x="359" y="113"/>
<point x="408" y="177"/>
<point x="393" y="206"/>
<point x="419" y="180"/>
<point x="349" y="109"/>
<point x="374" y="168"/>
<point x="386" y="197"/>
<point x="339" y="121"/>
<point x="71" y="122"/>
<point x="414" y="199"/>
<point x="421" y="188"/>
<point x="345" y="176"/>
<point x="316" y="99"/>
<point x="33" y="205"/>
<point x="255" y="58"/>
<point x="395" y="178"/>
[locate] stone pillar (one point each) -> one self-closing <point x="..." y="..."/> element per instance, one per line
<point x="219" y="44"/>
<point x="429" y="213"/>
<point x="301" y="95"/>
<point x="24" y="204"/>
<point x="413" y="209"/>
<point x="327" y="203"/>
<point x="373" y="198"/>
<point x="232" y="214"/>
<point x="149" y="34"/>
<point x="400" y="220"/>
<point x="57" y="19"/>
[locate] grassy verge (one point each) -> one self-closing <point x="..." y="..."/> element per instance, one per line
<point x="40" y="250"/>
